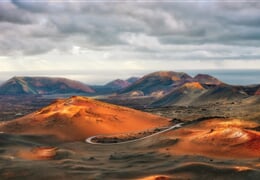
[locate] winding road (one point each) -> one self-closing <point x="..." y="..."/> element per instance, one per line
<point x="89" y="140"/>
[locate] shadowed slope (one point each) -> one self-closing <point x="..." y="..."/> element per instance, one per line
<point x="182" y="95"/>
<point x="114" y="86"/>
<point x="222" y="93"/>
<point x="118" y="84"/>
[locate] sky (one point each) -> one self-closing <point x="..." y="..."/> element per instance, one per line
<point x="97" y="41"/>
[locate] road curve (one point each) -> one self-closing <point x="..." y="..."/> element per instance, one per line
<point x="89" y="140"/>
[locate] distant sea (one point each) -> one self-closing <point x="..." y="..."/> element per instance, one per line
<point x="234" y="77"/>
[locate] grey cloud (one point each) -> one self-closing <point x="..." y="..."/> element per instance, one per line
<point x="10" y="14"/>
<point x="16" y="46"/>
<point x="217" y="24"/>
<point x="58" y="25"/>
<point x="32" y="6"/>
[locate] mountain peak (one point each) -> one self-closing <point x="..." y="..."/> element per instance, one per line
<point x="176" y="76"/>
<point x="207" y="79"/>
<point x="118" y="84"/>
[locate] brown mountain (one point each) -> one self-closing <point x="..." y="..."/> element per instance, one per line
<point x="207" y="79"/>
<point x="222" y="92"/>
<point x="42" y="85"/>
<point x="196" y="94"/>
<point x="182" y="95"/>
<point x="118" y="84"/>
<point x="77" y="118"/>
<point x="172" y="88"/>
<point x="161" y="80"/>
<point x="114" y="86"/>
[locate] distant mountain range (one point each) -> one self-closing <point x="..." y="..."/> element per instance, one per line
<point x="48" y="86"/>
<point x="42" y="85"/>
<point x="173" y="88"/>
<point x="165" y="87"/>
<point x="165" y="81"/>
<point x="177" y="88"/>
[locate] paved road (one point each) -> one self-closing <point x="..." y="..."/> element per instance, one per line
<point x="89" y="140"/>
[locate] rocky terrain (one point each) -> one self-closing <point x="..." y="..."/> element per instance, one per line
<point x="185" y="128"/>
<point x="52" y="140"/>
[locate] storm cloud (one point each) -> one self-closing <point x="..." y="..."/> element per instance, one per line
<point x="131" y="31"/>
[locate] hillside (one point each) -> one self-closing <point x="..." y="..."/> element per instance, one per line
<point x="118" y="84"/>
<point x="77" y="118"/>
<point x="216" y="138"/>
<point x="173" y="88"/>
<point x="183" y="95"/>
<point x="222" y="93"/>
<point x="42" y="85"/>
<point x="207" y="79"/>
<point x="161" y="80"/>
<point x="198" y="96"/>
<point x="114" y="86"/>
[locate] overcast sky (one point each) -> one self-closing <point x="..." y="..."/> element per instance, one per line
<point x="96" y="41"/>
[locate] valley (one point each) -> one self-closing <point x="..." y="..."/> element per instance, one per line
<point x="133" y="135"/>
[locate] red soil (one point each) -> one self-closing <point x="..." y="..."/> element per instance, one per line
<point x="77" y="118"/>
<point x="220" y="138"/>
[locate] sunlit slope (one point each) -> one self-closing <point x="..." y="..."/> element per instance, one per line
<point x="77" y="118"/>
<point x="224" y="138"/>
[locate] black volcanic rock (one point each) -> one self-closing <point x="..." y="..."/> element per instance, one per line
<point x="162" y="80"/>
<point x="42" y="85"/>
